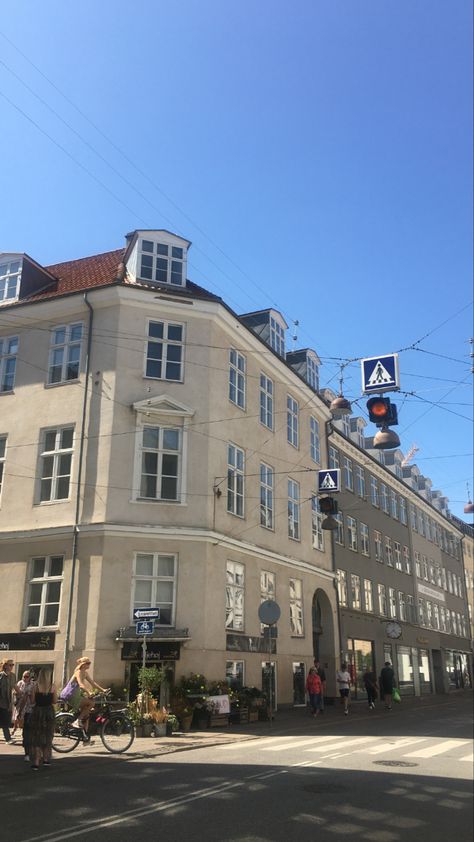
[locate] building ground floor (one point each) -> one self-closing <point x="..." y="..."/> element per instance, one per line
<point x="207" y="589"/>
<point x="425" y="661"/>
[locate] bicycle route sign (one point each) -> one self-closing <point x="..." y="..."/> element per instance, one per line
<point x="144" y="627"/>
<point x="146" y="613"/>
<point x="380" y="374"/>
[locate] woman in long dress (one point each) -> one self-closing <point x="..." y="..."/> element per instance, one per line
<point x="42" y="720"/>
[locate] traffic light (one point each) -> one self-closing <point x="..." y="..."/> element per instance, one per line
<point x="382" y="412"/>
<point x="328" y="506"/>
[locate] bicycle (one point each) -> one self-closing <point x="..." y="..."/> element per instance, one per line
<point x="114" y="727"/>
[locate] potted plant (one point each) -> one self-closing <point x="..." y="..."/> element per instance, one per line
<point x="160" y="718"/>
<point x="172" y="724"/>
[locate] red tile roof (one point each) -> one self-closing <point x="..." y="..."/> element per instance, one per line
<point x="95" y="271"/>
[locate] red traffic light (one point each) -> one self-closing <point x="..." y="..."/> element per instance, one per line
<point x="382" y="412"/>
<point x="328" y="506"/>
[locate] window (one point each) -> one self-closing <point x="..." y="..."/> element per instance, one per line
<point x="333" y="457"/>
<point x="384" y="498"/>
<point x="435" y="615"/>
<point x="312" y="373"/>
<point x="392" y="602"/>
<point x="429" y="613"/>
<point x="439" y="578"/>
<point x="382" y="599"/>
<point x="164" y="351"/>
<point x="398" y="555"/>
<point x="293" y="509"/>
<point x="161" y="263"/>
<point x="421" y="522"/>
<point x="346" y="426"/>
<point x="3" y="450"/>
<point x="417" y="564"/>
<point x="296" y="607"/>
<point x="234" y="596"/>
<point x="234" y="674"/>
<point x="277" y="337"/>
<point x="424" y="567"/>
<point x="8" y="352"/>
<point x="154" y="584"/>
<point x="393" y="504"/>
<point x="342" y="587"/>
<point x="444" y="578"/>
<point x="403" y="510"/>
<point x="292" y="420"/>
<point x="266" y="401"/>
<point x="339" y="532"/>
<point x="266" y="496"/>
<point x="267" y="585"/>
<point x="432" y="570"/>
<point x="44" y="591"/>
<point x="237" y="378"/>
<point x="368" y="595"/>
<point x="348" y="473"/>
<point x="378" y="547"/>
<point x="413" y="519"/>
<point x="401" y="606"/>
<point x="160" y="463"/>
<point x="235" y="480"/>
<point x="410" y="609"/>
<point x="351" y="526"/>
<point x="355" y="592"/>
<point x="421" y="611"/>
<point x="364" y="539"/>
<point x="388" y="551"/>
<point x="442" y="618"/>
<point x="316" y="521"/>
<point x="360" y="480"/>
<point x="374" y="491"/>
<point x="55" y="464"/>
<point x="65" y="353"/>
<point x="314" y="444"/>
<point x="406" y="560"/>
<point x="10" y="274"/>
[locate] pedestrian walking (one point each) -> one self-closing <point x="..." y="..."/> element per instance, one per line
<point x="322" y="674"/>
<point x="370" y="683"/>
<point x="24" y="705"/>
<point x="387" y="684"/>
<point x="343" y="679"/>
<point x="42" y="720"/>
<point x="313" y="686"/>
<point x="7" y="683"/>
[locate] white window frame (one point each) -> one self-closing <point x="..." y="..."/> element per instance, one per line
<point x="384" y="499"/>
<point x="267" y="483"/>
<point x="44" y="580"/>
<point x="317" y="534"/>
<point x="267" y="589"/>
<point x="382" y="599"/>
<point x="402" y="505"/>
<point x="355" y="592"/>
<point x="393" y="504"/>
<point x="267" y="392"/>
<point x="236" y="669"/>
<point x="167" y="343"/>
<point x="235" y="480"/>
<point x="392" y="603"/>
<point x="397" y="551"/>
<point x="157" y="258"/>
<point x="418" y="564"/>
<point x="66" y="348"/>
<point x="161" y="453"/>
<point x="406" y="559"/>
<point x="155" y="579"/>
<point x="368" y="596"/>
<point x="296" y="607"/>
<point x="333" y="457"/>
<point x="56" y="456"/>
<point x="388" y="551"/>
<point x="378" y="546"/>
<point x="9" y="347"/>
<point x="314" y="440"/>
<point x="364" y="538"/>
<point x="10" y="280"/>
<point x="341" y="578"/>
<point x="348" y="473"/>
<point x="360" y="481"/>
<point x="351" y="532"/>
<point x="277" y="337"/>
<point x="294" y="531"/>
<point x="235" y="596"/>
<point x="237" y="378"/>
<point x="401" y="606"/>
<point x="374" y="491"/>
<point x="312" y="373"/>
<point x="292" y="421"/>
<point x="3" y="459"/>
<point x="339" y="532"/>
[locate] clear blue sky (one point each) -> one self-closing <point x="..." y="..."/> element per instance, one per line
<point x="317" y="153"/>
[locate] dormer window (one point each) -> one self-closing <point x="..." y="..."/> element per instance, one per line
<point x="312" y="373"/>
<point x="161" y="263"/>
<point x="10" y="274"/>
<point x="277" y="337"/>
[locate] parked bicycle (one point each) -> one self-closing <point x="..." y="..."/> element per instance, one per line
<point x="114" y="727"/>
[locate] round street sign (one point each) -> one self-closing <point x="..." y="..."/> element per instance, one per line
<point x="269" y="612"/>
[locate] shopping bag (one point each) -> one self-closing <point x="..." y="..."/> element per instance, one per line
<point x="396" y="695"/>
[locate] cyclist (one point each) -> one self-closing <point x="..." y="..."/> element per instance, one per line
<point x="82" y="697"/>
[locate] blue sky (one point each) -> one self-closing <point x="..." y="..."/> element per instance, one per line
<point x="318" y="155"/>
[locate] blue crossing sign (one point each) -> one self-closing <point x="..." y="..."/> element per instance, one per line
<point x="143" y="627"/>
<point x="380" y="374"/>
<point x="329" y="480"/>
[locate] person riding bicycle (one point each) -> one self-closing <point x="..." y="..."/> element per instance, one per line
<point x="82" y="697"/>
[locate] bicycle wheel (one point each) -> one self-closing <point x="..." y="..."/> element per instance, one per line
<point x="65" y="737"/>
<point x="117" y="733"/>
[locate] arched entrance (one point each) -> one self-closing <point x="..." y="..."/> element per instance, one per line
<point x="324" y="642"/>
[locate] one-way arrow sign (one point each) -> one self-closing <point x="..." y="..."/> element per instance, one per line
<point x="380" y="374"/>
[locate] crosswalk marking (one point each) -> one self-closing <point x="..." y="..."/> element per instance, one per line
<point x="342" y="743"/>
<point x="392" y="746"/>
<point x="469" y="758"/>
<point x="431" y="751"/>
<point x="296" y="743"/>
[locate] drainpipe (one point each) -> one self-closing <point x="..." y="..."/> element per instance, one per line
<point x="75" y="534"/>
<point x="329" y="432"/>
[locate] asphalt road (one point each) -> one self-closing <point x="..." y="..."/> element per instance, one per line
<point x="387" y="776"/>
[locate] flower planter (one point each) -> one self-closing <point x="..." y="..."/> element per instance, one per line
<point x="253" y="716"/>
<point x="219" y="720"/>
<point x="239" y="716"/>
<point x="148" y="727"/>
<point x="160" y="729"/>
<point x="185" y="722"/>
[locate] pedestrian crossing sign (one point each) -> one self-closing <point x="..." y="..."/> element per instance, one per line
<point x="380" y="374"/>
<point x="329" y="480"/>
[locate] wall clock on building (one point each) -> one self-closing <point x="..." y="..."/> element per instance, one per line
<point x="393" y="630"/>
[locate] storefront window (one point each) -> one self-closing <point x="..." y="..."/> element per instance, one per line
<point x="234" y="674"/>
<point x="361" y="659"/>
<point x="457" y="667"/>
<point x="405" y="670"/>
<point x="299" y="681"/>
<point x="424" y="670"/>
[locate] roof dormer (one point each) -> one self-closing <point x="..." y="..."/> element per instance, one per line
<point x="270" y="326"/>
<point x="21" y="276"/>
<point x="157" y="257"/>
<point x="306" y="363"/>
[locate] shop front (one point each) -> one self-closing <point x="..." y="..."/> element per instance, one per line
<point x="24" y="648"/>
<point x="161" y="650"/>
<point x="457" y="665"/>
<point x="360" y="659"/>
<point x="414" y="671"/>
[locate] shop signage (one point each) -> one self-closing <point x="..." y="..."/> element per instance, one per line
<point x="423" y="640"/>
<point x="27" y="641"/>
<point x="155" y="651"/>
<point x="242" y="643"/>
<point x="439" y="595"/>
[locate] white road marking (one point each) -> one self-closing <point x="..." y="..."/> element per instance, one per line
<point x="469" y="758"/>
<point x="391" y="746"/>
<point x="297" y="743"/>
<point x="239" y="745"/>
<point x="342" y="743"/>
<point x="439" y="748"/>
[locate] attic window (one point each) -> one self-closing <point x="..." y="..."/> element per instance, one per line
<point x="9" y="280"/>
<point x="312" y="373"/>
<point x="161" y="263"/>
<point x="277" y="337"/>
